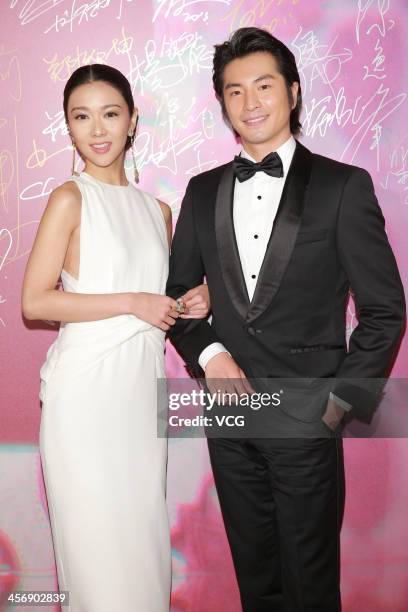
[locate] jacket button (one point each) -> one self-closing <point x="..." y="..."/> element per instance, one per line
<point x="251" y="331"/>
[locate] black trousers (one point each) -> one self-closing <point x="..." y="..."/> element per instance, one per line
<point x="282" y="501"/>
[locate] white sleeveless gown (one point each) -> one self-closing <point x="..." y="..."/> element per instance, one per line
<point x="104" y="466"/>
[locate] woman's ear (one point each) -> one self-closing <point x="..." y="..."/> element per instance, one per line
<point x="135" y="119"/>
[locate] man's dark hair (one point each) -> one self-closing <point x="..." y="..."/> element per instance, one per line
<point x="254" y="40"/>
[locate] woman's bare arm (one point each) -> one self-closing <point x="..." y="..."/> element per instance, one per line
<point x="168" y="218"/>
<point x="40" y="299"/>
<point x="197" y="299"/>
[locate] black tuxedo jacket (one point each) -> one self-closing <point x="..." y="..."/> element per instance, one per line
<point x="328" y="238"/>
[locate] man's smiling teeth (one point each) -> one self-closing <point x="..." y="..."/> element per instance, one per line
<point x="255" y="120"/>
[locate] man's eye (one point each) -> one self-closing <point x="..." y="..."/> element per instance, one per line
<point x="265" y="86"/>
<point x="235" y="93"/>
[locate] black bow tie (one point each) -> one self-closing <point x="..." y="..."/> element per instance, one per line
<point x="244" y="168"/>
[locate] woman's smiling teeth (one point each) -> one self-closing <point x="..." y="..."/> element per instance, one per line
<point x="103" y="147"/>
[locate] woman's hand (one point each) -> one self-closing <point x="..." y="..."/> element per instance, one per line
<point x="158" y="310"/>
<point x="197" y="301"/>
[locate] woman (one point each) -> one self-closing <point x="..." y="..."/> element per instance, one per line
<point x="104" y="465"/>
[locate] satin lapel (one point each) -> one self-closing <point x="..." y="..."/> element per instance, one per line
<point x="284" y="233"/>
<point x="227" y="245"/>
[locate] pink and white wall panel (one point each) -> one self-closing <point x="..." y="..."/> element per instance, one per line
<point x="351" y="60"/>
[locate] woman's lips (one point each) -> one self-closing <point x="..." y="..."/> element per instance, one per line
<point x="101" y="149"/>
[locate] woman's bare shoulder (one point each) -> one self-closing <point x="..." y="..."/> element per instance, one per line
<point x="66" y="195"/>
<point x="65" y="202"/>
<point x="68" y="191"/>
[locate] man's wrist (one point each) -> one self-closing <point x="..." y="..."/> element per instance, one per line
<point x="209" y="352"/>
<point x="340" y="402"/>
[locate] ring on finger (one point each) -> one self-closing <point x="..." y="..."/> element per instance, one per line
<point x="180" y="306"/>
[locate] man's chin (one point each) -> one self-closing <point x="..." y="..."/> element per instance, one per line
<point x="255" y="139"/>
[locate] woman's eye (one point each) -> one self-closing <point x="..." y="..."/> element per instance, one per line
<point x="235" y="93"/>
<point x="109" y="113"/>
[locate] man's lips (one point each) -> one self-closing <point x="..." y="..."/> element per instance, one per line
<point x="102" y="147"/>
<point x="255" y="120"/>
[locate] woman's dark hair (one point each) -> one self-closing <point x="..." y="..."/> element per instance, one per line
<point x="100" y="72"/>
<point x="254" y="40"/>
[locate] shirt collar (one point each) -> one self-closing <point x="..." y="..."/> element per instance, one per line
<point x="285" y="151"/>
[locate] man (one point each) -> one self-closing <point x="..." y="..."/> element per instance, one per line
<point x="280" y="245"/>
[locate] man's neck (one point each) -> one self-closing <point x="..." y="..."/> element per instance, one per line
<point x="259" y="151"/>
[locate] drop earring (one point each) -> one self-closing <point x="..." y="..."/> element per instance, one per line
<point x="73" y="157"/>
<point x="135" y="170"/>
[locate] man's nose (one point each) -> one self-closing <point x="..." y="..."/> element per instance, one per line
<point x="251" y="100"/>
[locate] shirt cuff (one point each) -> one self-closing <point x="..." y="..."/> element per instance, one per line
<point x="345" y="405"/>
<point x="209" y="352"/>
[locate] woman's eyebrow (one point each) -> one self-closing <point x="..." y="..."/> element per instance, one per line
<point x="86" y="108"/>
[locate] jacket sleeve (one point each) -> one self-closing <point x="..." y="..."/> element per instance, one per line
<point x="370" y="266"/>
<point x="186" y="270"/>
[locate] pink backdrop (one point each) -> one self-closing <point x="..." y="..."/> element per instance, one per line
<point x="351" y="60"/>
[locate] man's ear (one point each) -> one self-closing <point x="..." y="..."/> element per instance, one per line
<point x="294" y="89"/>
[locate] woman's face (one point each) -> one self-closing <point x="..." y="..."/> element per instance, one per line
<point x="99" y="122"/>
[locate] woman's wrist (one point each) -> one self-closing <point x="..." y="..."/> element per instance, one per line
<point x="128" y="303"/>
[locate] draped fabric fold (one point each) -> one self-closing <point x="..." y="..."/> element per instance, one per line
<point x="80" y="347"/>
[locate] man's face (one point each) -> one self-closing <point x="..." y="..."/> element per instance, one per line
<point x="256" y="100"/>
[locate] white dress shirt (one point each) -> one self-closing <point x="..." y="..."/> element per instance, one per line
<point x="255" y="205"/>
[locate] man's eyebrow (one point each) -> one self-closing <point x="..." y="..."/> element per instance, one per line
<point x="265" y="76"/>
<point x="229" y="85"/>
<point x="260" y="78"/>
<point x="86" y="108"/>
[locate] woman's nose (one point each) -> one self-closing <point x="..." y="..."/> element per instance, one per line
<point x="97" y="129"/>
